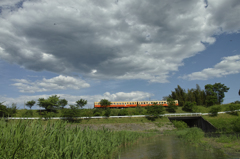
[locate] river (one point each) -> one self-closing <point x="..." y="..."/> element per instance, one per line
<point x="168" y="147"/>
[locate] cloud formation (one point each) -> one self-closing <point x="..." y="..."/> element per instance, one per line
<point x="120" y="96"/>
<point x="229" y="65"/>
<point x="56" y="83"/>
<point x="106" y="40"/>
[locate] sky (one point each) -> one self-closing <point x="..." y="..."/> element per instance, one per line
<point x="118" y="50"/>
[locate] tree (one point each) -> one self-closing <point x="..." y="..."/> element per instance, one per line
<point x="155" y="110"/>
<point x="81" y="103"/>
<point x="219" y="89"/>
<point x="211" y="96"/>
<point x="171" y="105"/>
<point x="63" y="102"/>
<point x="3" y="110"/>
<point x="105" y="103"/>
<point x="49" y="104"/>
<point x="180" y="95"/>
<point x="189" y="106"/>
<point x="30" y="104"/>
<point x="164" y="98"/>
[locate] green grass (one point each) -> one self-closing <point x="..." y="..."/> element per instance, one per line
<point x="223" y="122"/>
<point x="33" y="139"/>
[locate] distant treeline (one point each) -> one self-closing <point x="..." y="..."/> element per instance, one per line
<point x="213" y="94"/>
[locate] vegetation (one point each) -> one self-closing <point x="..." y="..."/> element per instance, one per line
<point x="188" y="106"/>
<point x="63" y="103"/>
<point x="171" y="106"/>
<point x="25" y="139"/>
<point x="155" y="110"/>
<point x="8" y="111"/>
<point x="213" y="94"/>
<point x="80" y="103"/>
<point x="214" y="110"/>
<point x="105" y="103"/>
<point x="180" y="124"/>
<point x="192" y="135"/>
<point x="50" y="104"/>
<point x="30" y="104"/>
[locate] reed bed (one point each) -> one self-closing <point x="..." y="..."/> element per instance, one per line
<point x="33" y="139"/>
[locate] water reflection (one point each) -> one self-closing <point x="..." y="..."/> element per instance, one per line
<point x="167" y="147"/>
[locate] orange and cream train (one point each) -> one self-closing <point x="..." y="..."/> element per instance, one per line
<point x="129" y="104"/>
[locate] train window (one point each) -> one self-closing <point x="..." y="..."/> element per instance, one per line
<point x="122" y="103"/>
<point x="164" y="102"/>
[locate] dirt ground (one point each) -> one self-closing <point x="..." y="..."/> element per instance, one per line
<point x="132" y="126"/>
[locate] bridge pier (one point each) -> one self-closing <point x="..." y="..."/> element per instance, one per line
<point x="196" y="122"/>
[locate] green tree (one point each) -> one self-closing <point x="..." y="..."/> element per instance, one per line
<point x="30" y="104"/>
<point x="107" y="112"/>
<point x="214" y="110"/>
<point x="155" y="110"/>
<point x="80" y="103"/>
<point x="49" y="104"/>
<point x="105" y="103"/>
<point x="63" y="103"/>
<point x="180" y="95"/>
<point x="3" y="110"/>
<point x="219" y="89"/>
<point x="189" y="106"/>
<point x="171" y="106"/>
<point x="211" y="96"/>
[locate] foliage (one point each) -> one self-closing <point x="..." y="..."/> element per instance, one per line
<point x="123" y="112"/>
<point x="188" y="107"/>
<point x="28" y="113"/>
<point x="97" y="111"/>
<point x="107" y="112"/>
<point x="179" y="124"/>
<point x="138" y="110"/>
<point x="192" y="135"/>
<point x="155" y="110"/>
<point x="236" y="102"/>
<point x="33" y="139"/>
<point x="8" y="111"/>
<point x="171" y="106"/>
<point x="81" y="103"/>
<point x="49" y="104"/>
<point x="236" y="125"/>
<point x="215" y="93"/>
<point x="233" y="108"/>
<point x="214" y="110"/>
<point x="30" y="104"/>
<point x="105" y="103"/>
<point x="63" y="103"/>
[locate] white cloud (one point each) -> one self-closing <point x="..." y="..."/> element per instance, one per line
<point x="56" y="83"/>
<point x="120" y="96"/>
<point x="120" y="40"/>
<point x="229" y="65"/>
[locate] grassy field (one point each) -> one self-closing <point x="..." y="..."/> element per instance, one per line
<point x="38" y="139"/>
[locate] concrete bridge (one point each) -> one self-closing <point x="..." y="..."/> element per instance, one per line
<point x="196" y="121"/>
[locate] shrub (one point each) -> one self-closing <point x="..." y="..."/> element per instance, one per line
<point x="107" y="112"/>
<point x="193" y="135"/>
<point x="236" y="125"/>
<point x="28" y="113"/>
<point x="97" y="111"/>
<point x="236" y="102"/>
<point x="214" y="110"/>
<point x="232" y="108"/>
<point x="188" y="106"/>
<point x="179" y="124"/>
<point x="5" y="112"/>
<point x="123" y="112"/>
<point x="155" y="110"/>
<point x="138" y="110"/>
<point x="114" y="112"/>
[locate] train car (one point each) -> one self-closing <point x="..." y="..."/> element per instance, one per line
<point x="129" y="104"/>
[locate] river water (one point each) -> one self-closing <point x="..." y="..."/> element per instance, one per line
<point x="168" y="147"/>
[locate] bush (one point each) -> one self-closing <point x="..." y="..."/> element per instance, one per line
<point x="193" y="135"/>
<point x="5" y="112"/>
<point x="236" y="125"/>
<point x="236" y="102"/>
<point x="155" y="110"/>
<point x="214" y="110"/>
<point x="232" y="108"/>
<point x="97" y="111"/>
<point x="107" y="112"/>
<point x="188" y="106"/>
<point x="123" y="112"/>
<point x="72" y="112"/>
<point x="28" y="113"/>
<point x="179" y="124"/>
<point x="114" y="112"/>
<point x="138" y="110"/>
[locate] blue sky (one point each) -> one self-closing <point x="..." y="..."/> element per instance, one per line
<point x="118" y="50"/>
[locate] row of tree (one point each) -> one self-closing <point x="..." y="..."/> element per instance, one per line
<point x="54" y="102"/>
<point x="213" y="94"/>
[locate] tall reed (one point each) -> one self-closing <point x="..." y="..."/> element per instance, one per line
<point x="32" y="139"/>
